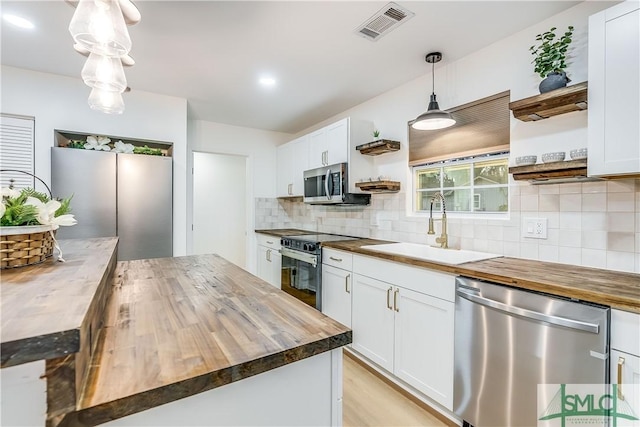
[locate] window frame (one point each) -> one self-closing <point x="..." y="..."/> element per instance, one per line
<point x="471" y="187"/>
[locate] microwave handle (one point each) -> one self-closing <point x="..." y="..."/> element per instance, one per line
<point x="326" y="184"/>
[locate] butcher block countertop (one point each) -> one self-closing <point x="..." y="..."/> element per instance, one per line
<point x="282" y="232"/>
<point x="616" y="289"/>
<point x="179" y="326"/>
<point x="44" y="306"/>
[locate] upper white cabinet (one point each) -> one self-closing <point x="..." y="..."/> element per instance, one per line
<point x="329" y="145"/>
<point x="292" y="162"/>
<point x="614" y="88"/>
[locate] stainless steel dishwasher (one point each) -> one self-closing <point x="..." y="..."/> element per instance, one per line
<point x="507" y="341"/>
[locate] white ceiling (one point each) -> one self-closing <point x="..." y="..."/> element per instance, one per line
<point x="213" y="52"/>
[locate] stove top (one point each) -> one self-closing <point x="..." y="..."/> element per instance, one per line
<point x="310" y="243"/>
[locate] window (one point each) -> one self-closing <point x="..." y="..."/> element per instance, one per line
<point x="479" y="185"/>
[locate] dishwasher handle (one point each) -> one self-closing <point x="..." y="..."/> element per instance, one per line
<point x="529" y="314"/>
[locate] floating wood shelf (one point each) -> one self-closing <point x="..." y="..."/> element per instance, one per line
<point x="378" y="147"/>
<point x="556" y="102"/>
<point x="379" y="186"/>
<point x="571" y="170"/>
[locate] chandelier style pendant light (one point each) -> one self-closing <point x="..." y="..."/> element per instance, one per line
<point x="99" y="30"/>
<point x="434" y="117"/>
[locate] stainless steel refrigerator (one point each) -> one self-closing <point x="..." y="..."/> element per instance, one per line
<point x="124" y="195"/>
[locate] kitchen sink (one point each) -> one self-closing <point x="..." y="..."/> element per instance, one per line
<point x="431" y="253"/>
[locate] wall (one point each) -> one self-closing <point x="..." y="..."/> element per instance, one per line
<point x="258" y="146"/>
<point x="592" y="224"/>
<point x="59" y="102"/>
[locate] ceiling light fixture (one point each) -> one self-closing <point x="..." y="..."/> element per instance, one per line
<point x="434" y="118"/>
<point x="18" y="21"/>
<point x="99" y="30"/>
<point x="267" y="81"/>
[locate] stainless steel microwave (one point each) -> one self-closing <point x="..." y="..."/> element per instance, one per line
<point x="329" y="185"/>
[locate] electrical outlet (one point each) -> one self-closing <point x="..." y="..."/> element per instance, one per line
<point x="534" y="228"/>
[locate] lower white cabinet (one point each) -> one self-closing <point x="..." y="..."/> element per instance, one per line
<point x="269" y="259"/>
<point x="625" y="373"/>
<point x="336" y="294"/>
<point x="406" y="332"/>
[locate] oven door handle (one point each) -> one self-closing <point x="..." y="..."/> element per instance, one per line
<point x="300" y="256"/>
<point x="529" y="314"/>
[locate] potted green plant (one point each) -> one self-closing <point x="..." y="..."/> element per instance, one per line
<point x="376" y="134"/>
<point x="550" y="58"/>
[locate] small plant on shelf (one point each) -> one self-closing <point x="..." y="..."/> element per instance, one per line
<point x="376" y="133"/>
<point x="550" y="58"/>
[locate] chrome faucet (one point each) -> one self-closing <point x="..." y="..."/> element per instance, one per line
<point x="443" y="240"/>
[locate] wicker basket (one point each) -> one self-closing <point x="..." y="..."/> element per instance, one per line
<point x="25" y="245"/>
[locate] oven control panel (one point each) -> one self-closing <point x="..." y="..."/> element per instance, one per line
<point x="299" y="245"/>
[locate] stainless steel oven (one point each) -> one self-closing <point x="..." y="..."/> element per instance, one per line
<point x="302" y="266"/>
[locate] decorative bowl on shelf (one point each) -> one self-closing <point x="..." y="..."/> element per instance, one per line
<point x="526" y="160"/>
<point x="553" y="157"/>
<point x="578" y="154"/>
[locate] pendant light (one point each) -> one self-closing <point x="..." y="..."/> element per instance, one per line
<point x="99" y="26"/>
<point x="434" y="118"/>
<point x="104" y="72"/>
<point x="109" y="102"/>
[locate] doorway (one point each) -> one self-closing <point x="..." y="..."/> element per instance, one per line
<point x="220" y="206"/>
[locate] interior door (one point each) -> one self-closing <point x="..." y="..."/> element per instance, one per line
<point x="220" y="206"/>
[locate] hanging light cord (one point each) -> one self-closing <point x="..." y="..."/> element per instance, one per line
<point x="433" y="79"/>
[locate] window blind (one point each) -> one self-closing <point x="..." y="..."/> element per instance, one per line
<point x="481" y="127"/>
<point x="16" y="150"/>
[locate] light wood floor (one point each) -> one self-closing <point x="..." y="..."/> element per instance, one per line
<point x="369" y="401"/>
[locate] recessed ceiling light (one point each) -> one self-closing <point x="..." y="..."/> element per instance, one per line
<point x="267" y="81"/>
<point x="18" y="21"/>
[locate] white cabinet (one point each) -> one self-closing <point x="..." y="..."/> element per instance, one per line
<point x="292" y="162"/>
<point x="614" y="85"/>
<point x="331" y="144"/>
<point x="269" y="260"/>
<point x="408" y="329"/>
<point x="625" y="360"/>
<point x="372" y="320"/>
<point x="336" y="294"/>
<point x="424" y="344"/>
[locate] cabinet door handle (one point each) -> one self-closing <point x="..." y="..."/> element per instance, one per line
<point x="269" y="255"/>
<point x="346" y="283"/>
<point x="620" y="363"/>
<point x="335" y="259"/>
<point x="290" y="189"/>
<point x="389" y="298"/>
<point x="395" y="300"/>
<point x="269" y="242"/>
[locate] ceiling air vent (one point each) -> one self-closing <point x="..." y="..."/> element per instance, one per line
<point x="385" y="20"/>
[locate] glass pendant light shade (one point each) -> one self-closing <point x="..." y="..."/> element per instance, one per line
<point x="104" y="72"/>
<point x="109" y="102"/>
<point x="434" y="118"/>
<point x="98" y="26"/>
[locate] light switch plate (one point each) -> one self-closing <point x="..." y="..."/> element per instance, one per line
<point x="534" y="228"/>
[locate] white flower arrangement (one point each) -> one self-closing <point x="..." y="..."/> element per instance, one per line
<point x="29" y="207"/>
<point x="97" y="143"/>
<point x="121" y="147"/>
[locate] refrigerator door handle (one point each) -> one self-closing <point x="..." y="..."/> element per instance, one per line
<point x="529" y="314"/>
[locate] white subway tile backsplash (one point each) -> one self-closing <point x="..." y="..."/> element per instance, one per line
<point x="594" y="223"/>
<point x="594" y="258"/>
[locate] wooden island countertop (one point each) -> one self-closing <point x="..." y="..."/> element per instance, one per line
<point x="179" y="326"/>
<point x="45" y="306"/>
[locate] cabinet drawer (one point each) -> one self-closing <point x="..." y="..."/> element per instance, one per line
<point x="268" y="241"/>
<point x="436" y="284"/>
<point x="339" y="259"/>
<point x="625" y="332"/>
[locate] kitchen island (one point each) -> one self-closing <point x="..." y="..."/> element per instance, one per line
<point x="187" y="333"/>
